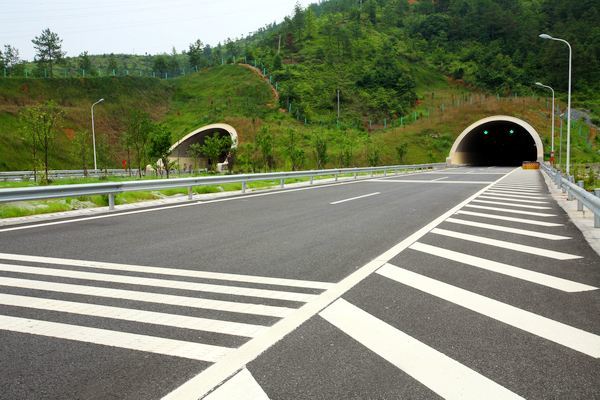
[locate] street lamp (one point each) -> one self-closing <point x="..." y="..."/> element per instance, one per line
<point x="552" y="145"/>
<point x="94" y="134"/>
<point x="545" y="36"/>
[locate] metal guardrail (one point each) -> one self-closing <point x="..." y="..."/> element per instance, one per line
<point x="63" y="173"/>
<point x="576" y="191"/>
<point x="113" y="188"/>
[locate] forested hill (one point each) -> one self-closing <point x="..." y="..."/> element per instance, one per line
<point x="376" y="51"/>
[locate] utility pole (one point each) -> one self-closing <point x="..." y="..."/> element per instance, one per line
<point x="338" y="106"/>
<point x="94" y="134"/>
<point x="279" y="45"/>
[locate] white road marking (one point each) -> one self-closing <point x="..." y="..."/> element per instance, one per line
<point x="496" y="197"/>
<point x="522" y="195"/>
<point x="512" y="219"/>
<point x="440" y="373"/>
<point x="511" y="204"/>
<point x="507" y="210"/>
<point x="425" y="181"/>
<point x="168" y="271"/>
<point x="466" y="173"/>
<point x="518" y="188"/>
<point x="565" y="335"/>
<point x="205" y="381"/>
<point x="439" y="179"/>
<point x="506" y="245"/>
<point x="507" y="229"/>
<point x="165" y="283"/>
<point x="505" y="269"/>
<point x="513" y="196"/>
<point x="355" y="198"/>
<point x="132" y="341"/>
<point x="149" y="297"/>
<point x="128" y="314"/>
<point x="241" y="386"/>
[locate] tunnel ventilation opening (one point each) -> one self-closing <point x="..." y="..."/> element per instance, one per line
<point x="498" y="142"/>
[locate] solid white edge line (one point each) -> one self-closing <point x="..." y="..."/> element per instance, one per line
<point x="511" y="219"/>
<point x="131" y="341"/>
<point x="501" y="228"/>
<point x="564" y="285"/>
<point x="432" y="368"/>
<point x="557" y="332"/>
<point x="168" y="271"/>
<point x="242" y="386"/>
<point x="424" y="181"/>
<point x="557" y="255"/>
<point x="355" y="198"/>
<point x="206" y="380"/>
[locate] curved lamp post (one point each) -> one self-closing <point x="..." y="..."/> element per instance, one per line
<point x="548" y="87"/>
<point x="94" y="134"/>
<point x="545" y="36"/>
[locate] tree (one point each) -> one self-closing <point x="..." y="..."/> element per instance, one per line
<point x="373" y="154"/>
<point x="401" y="151"/>
<point x="139" y="129"/>
<point x="264" y="143"/>
<point x="112" y="65"/>
<point x="293" y="151"/>
<point x="196" y="53"/>
<point x="161" y="65"/>
<point x="85" y="63"/>
<point x="82" y="148"/>
<point x="320" y="150"/>
<point x="39" y="123"/>
<point x="48" y="47"/>
<point x="173" y="63"/>
<point x="9" y="59"/>
<point x="213" y="147"/>
<point x="195" y="151"/>
<point x="160" y="146"/>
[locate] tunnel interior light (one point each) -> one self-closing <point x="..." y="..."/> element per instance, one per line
<point x="486" y="132"/>
<point x="512" y="131"/>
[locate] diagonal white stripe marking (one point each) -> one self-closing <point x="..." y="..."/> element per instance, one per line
<point x="241" y="386"/>
<point x="128" y="314"/>
<point x="507" y="229"/>
<point x="505" y="269"/>
<point x="535" y="196"/>
<point x="496" y="197"/>
<point x="508" y="210"/>
<point x="506" y="245"/>
<point x="513" y="196"/>
<point x="512" y="219"/>
<point x="512" y="204"/>
<point x="355" y="198"/>
<point x="148" y="297"/>
<point x="565" y="335"/>
<point x="440" y="373"/>
<point x="132" y="341"/>
<point x="517" y="189"/>
<point x="136" y="280"/>
<point x="167" y="271"/>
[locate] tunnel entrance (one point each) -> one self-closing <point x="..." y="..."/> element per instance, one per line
<point x="499" y="140"/>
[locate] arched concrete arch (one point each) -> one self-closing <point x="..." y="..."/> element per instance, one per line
<point x="501" y="138"/>
<point x="180" y="150"/>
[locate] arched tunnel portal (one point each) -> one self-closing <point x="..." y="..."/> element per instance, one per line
<point x="180" y="151"/>
<point x="498" y="140"/>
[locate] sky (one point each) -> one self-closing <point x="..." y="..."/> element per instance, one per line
<point x="135" y="27"/>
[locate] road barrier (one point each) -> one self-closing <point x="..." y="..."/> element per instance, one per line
<point x="113" y="188"/>
<point x="63" y="173"/>
<point x="576" y="192"/>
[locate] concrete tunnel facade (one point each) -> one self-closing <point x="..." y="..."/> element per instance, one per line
<point x="497" y="140"/>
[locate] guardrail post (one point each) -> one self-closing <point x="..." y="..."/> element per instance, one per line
<point x="570" y="196"/>
<point x="336" y="177"/>
<point x="579" y="202"/>
<point x="190" y="193"/>
<point x="384" y="172"/>
<point x="281" y="183"/>
<point x="396" y="171"/>
<point x="243" y="186"/>
<point x="111" y="201"/>
<point x="597" y="215"/>
<point x="355" y="175"/>
<point x="311" y="179"/>
<point x="371" y="173"/>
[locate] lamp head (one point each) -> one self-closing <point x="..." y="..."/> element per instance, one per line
<point x="101" y="100"/>
<point x="545" y="36"/>
<point x="538" y="84"/>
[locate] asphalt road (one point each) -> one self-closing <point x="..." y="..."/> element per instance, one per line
<point x="335" y="291"/>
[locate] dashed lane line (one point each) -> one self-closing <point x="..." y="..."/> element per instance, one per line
<point x="501" y="228"/>
<point x="168" y="271"/>
<point x="506" y="245"/>
<point x="149" y="297"/>
<point x="135" y="315"/>
<point x="440" y="373"/>
<point x="164" y="283"/>
<point x="504" y="269"/>
<point x="511" y="219"/>
<point x="508" y="210"/>
<point x="565" y="335"/>
<point x="132" y="341"/>
<point x="355" y="198"/>
<point x="500" y="203"/>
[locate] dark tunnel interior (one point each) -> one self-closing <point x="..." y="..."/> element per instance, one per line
<point x="500" y="143"/>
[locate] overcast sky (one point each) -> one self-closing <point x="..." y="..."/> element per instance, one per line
<point x="129" y="26"/>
